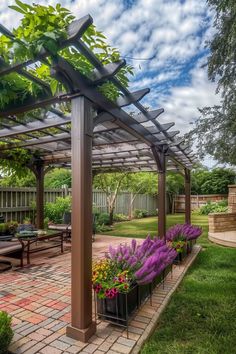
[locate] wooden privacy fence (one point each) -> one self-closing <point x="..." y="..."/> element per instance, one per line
<point x="19" y="203"/>
<point x="196" y="201"/>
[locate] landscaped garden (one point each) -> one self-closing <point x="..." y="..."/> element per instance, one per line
<point x="63" y="90"/>
<point x="201" y="315"/>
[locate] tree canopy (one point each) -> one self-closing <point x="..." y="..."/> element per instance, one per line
<point x="212" y="182"/>
<point x="216" y="128"/>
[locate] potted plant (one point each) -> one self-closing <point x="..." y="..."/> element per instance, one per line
<point x="12" y="227"/>
<point x="3" y="229"/>
<point x="125" y="278"/>
<point x="181" y="237"/>
<point x="116" y="291"/>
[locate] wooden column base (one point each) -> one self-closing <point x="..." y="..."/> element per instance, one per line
<point x="82" y="335"/>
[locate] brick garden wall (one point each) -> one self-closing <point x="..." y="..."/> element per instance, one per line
<point x="220" y="222"/>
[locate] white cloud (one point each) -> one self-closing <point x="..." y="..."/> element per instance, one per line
<point x="172" y="33"/>
<point x="181" y="103"/>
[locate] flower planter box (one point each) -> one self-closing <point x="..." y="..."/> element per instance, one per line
<point x="167" y="270"/>
<point x="144" y="291"/>
<point x="158" y="280"/>
<point x="189" y="246"/>
<point x="181" y="255"/>
<point x="120" y="308"/>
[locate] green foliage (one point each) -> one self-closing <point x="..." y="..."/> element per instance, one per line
<point x="102" y="222"/>
<point x="213" y="207"/>
<point x="46" y="222"/>
<point x="223" y="67"/>
<point x="215" y="130"/>
<point x="212" y="182"/>
<point x="174" y="183"/>
<point x="3" y="228"/>
<point x="9" y="227"/>
<point x="142" y="182"/>
<point x="44" y="28"/>
<point x="152" y="213"/>
<point x="108" y="182"/>
<point x="140" y="213"/>
<point x="174" y="186"/>
<point x="57" y="178"/>
<point x="15" y="161"/>
<point x="6" y="333"/>
<point x="102" y="228"/>
<point x="103" y="219"/>
<point x="54" y="211"/>
<point x="120" y="217"/>
<point x="24" y="180"/>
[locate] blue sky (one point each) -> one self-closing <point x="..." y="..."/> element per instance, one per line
<point x="170" y="34"/>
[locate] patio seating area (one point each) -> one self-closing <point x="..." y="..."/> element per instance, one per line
<point x="38" y="297"/>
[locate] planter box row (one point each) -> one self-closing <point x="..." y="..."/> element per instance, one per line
<point x="186" y="250"/>
<point x="119" y="309"/>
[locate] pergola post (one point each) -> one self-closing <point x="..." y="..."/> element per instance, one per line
<point x="38" y="170"/>
<point x="187" y="183"/>
<point x="82" y="327"/>
<point x="160" y="158"/>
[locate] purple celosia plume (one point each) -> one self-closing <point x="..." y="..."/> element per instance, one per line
<point x="185" y="231"/>
<point x="147" y="260"/>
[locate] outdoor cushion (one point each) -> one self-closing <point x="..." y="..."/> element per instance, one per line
<point x="8" y="247"/>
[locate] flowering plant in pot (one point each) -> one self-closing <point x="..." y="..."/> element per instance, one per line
<point x="180" y="237"/>
<point x="109" y="280"/>
<point x="128" y="270"/>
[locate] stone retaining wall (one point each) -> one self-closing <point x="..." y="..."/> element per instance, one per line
<point x="221" y="222"/>
<point x="232" y="198"/>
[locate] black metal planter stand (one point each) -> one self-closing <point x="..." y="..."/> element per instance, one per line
<point x="121" y="309"/>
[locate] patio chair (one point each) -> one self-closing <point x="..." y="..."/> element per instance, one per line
<point x="66" y="226"/>
<point x="13" y="249"/>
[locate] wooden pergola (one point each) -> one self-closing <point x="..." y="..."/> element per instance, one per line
<point x="97" y="136"/>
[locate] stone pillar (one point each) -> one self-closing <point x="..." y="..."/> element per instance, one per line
<point x="232" y="198"/>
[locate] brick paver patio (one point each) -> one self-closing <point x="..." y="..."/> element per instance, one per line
<point x="38" y="298"/>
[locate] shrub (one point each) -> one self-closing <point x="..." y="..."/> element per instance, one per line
<point x="12" y="226"/>
<point x="46" y="221"/>
<point x="54" y="211"/>
<point x="153" y="213"/>
<point x="103" y="219"/>
<point x="3" y="228"/>
<point x="99" y="229"/>
<point x="140" y="213"/>
<point x="214" y="207"/>
<point x="6" y="332"/>
<point x="120" y="217"/>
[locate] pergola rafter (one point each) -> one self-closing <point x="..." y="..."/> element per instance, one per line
<point x="98" y="134"/>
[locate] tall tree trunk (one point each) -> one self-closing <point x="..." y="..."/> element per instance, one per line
<point x="111" y="214"/>
<point x="132" y="199"/>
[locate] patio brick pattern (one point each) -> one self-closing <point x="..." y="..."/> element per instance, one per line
<point x="38" y="298"/>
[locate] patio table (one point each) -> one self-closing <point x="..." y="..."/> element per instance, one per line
<point x="33" y="238"/>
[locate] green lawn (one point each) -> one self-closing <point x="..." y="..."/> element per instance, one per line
<point x="201" y="317"/>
